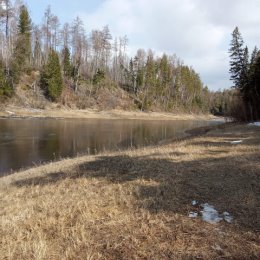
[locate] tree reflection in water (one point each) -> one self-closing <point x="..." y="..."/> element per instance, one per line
<point x="32" y="141"/>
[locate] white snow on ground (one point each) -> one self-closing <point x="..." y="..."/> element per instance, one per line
<point x="209" y="214"/>
<point x="194" y="202"/>
<point x="255" y="124"/>
<point x="193" y="214"/>
<point x="237" y="142"/>
<point x="227" y="217"/>
<point x="9" y="112"/>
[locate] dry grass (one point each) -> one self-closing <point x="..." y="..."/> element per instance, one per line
<point x="135" y="204"/>
<point x="55" y="111"/>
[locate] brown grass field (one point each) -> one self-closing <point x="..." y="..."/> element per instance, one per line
<point x="135" y="204"/>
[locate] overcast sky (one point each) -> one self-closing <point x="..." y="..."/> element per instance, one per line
<point x="197" y="31"/>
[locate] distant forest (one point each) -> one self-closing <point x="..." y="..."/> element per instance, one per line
<point x="62" y="63"/>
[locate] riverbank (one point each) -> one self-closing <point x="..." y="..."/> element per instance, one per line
<point x="139" y="204"/>
<point x="21" y="112"/>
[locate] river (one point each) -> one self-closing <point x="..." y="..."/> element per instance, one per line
<point x="28" y="142"/>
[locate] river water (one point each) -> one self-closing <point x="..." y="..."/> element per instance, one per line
<point x="26" y="142"/>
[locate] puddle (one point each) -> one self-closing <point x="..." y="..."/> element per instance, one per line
<point x="209" y="214"/>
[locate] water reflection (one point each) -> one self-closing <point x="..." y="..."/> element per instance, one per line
<point x="24" y="142"/>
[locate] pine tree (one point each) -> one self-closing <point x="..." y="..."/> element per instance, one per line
<point x="98" y="77"/>
<point x="140" y="78"/>
<point x="163" y="90"/>
<point x="237" y="57"/>
<point x="67" y="67"/>
<point x="241" y="72"/>
<point x="150" y="72"/>
<point x="165" y="71"/>
<point x="255" y="85"/>
<point x="5" y="88"/>
<point x="22" y="51"/>
<point x="244" y="74"/>
<point x="51" y="78"/>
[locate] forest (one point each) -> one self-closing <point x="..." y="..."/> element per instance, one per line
<point x="62" y="63"/>
<point x="245" y="73"/>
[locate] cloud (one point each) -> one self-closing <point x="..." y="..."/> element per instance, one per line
<point x="198" y="31"/>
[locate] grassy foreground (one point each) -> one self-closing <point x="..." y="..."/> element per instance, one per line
<point x="135" y="204"/>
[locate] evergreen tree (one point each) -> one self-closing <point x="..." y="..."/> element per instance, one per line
<point x="257" y="73"/>
<point x="22" y="51"/>
<point x="254" y="56"/>
<point x="244" y="74"/>
<point x="245" y="86"/>
<point x="67" y="67"/>
<point x="132" y="75"/>
<point x="98" y="77"/>
<point x="147" y="92"/>
<point x="140" y="78"/>
<point x="5" y="88"/>
<point x="150" y="72"/>
<point x="51" y="78"/>
<point x="237" y="57"/>
<point x="255" y="87"/>
<point x="165" y="71"/>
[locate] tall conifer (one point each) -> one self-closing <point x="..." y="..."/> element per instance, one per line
<point x="22" y="51"/>
<point x="237" y="57"/>
<point x="51" y="78"/>
<point x="67" y="67"/>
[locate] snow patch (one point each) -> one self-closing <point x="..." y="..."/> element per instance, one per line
<point x="9" y="112"/>
<point x="255" y="124"/>
<point x="227" y="217"/>
<point x="194" y="202"/>
<point x="237" y="142"/>
<point x="210" y="214"/>
<point x="193" y="214"/>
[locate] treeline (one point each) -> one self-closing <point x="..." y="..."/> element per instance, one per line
<point x="70" y="60"/>
<point x="245" y="73"/>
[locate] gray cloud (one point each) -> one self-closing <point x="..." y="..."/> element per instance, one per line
<point x="198" y="31"/>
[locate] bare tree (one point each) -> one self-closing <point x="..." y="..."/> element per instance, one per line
<point x="78" y="37"/>
<point x="65" y="35"/>
<point x="105" y="47"/>
<point x="55" y="33"/>
<point x="46" y="29"/>
<point x="6" y="15"/>
<point x="37" y="47"/>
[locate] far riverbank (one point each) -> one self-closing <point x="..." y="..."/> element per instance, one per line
<point x="21" y="112"/>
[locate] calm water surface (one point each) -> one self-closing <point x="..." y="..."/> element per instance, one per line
<point x="26" y="142"/>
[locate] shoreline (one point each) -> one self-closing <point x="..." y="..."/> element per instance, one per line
<point x="21" y="112"/>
